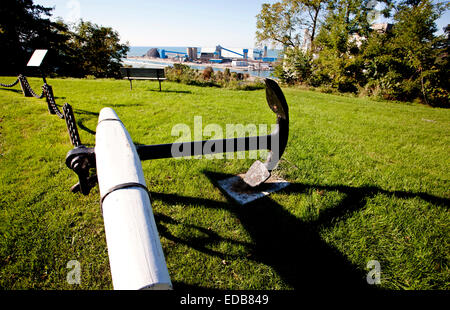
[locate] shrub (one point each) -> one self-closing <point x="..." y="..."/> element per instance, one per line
<point x="208" y="73"/>
<point x="181" y="73"/>
<point x="295" y="67"/>
<point x="226" y="74"/>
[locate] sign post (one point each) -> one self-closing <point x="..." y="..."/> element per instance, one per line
<point x="36" y="61"/>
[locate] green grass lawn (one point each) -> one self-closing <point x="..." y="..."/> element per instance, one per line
<point x="370" y="181"/>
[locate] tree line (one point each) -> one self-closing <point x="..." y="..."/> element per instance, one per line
<point x="334" y="45"/>
<point x="76" y="50"/>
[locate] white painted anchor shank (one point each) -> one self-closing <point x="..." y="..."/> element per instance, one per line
<point x="135" y="253"/>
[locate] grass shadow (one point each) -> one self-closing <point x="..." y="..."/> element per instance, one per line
<point x="355" y="198"/>
<point x="280" y="240"/>
<point x="82" y="127"/>
<point x="85" y="112"/>
<point x="171" y="91"/>
<point x="12" y="90"/>
<point x="198" y="243"/>
<point x="292" y="247"/>
<point x="120" y="105"/>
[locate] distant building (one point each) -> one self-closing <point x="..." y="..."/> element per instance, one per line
<point x="192" y="53"/>
<point x="306" y="41"/>
<point x="382" y="27"/>
<point x="229" y="54"/>
<point x="239" y="63"/>
<point x="234" y="52"/>
<point x="152" y="53"/>
<point x="208" y="53"/>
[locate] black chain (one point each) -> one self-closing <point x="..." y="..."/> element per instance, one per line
<point x="10" y="85"/>
<point x="47" y="91"/>
<point x="52" y="107"/>
<point x="71" y="125"/>
<point x="67" y="115"/>
<point x="25" y="84"/>
<point x="80" y="159"/>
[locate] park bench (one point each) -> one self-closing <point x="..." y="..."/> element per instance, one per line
<point x="143" y="74"/>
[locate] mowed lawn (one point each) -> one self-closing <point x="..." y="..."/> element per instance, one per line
<point x="370" y="181"/>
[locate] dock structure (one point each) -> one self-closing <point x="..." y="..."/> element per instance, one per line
<point x="243" y="59"/>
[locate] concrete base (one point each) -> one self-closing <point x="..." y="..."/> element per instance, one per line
<point x="237" y="189"/>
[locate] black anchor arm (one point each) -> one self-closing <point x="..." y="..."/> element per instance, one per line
<point x="275" y="142"/>
<point x="277" y="102"/>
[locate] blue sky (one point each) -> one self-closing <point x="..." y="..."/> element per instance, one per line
<point x="229" y="23"/>
<point x="169" y="22"/>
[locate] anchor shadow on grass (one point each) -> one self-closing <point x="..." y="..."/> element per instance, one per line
<point x="171" y="91"/>
<point x="280" y="240"/>
<point x="197" y="243"/>
<point x="84" y="128"/>
<point x="292" y="247"/>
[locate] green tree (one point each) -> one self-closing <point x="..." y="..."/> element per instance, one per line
<point x="97" y="49"/>
<point x="314" y="9"/>
<point x="438" y="82"/>
<point x="25" y="27"/>
<point x="295" y="66"/>
<point x="284" y="23"/>
<point x="340" y="42"/>
<point x="414" y="40"/>
<point x="410" y="62"/>
<point x="88" y="50"/>
<point x="293" y="24"/>
<point x="381" y="66"/>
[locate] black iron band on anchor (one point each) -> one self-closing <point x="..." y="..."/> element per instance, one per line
<point x="122" y="186"/>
